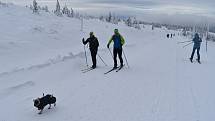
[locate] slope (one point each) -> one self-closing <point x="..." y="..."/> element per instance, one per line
<point x="160" y="85"/>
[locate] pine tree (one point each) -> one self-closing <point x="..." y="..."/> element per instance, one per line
<point x="35" y="7"/>
<point x="129" y="22"/>
<point x="66" y="10"/>
<point x="101" y="18"/>
<point x="45" y="8"/>
<point x="58" y="10"/>
<point x="71" y="13"/>
<point x="109" y="19"/>
<point x="115" y="19"/>
<point x="136" y="24"/>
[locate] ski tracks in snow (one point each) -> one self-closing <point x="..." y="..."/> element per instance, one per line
<point x="11" y="90"/>
<point x="194" y="101"/>
<point x="155" y="107"/>
<point x="52" y="61"/>
<point x="186" y="88"/>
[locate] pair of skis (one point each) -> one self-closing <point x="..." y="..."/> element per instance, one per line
<point x="87" y="70"/>
<point x="113" y="69"/>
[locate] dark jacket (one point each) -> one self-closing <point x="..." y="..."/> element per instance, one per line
<point x="197" y="41"/>
<point x="93" y="43"/>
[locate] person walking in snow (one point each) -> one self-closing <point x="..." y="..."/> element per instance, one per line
<point x="93" y="45"/>
<point x="197" y="44"/>
<point x="167" y="35"/>
<point x="119" y="41"/>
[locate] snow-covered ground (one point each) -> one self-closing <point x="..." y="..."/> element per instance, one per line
<point x="44" y="54"/>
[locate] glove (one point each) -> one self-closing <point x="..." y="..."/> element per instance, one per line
<point x="108" y="45"/>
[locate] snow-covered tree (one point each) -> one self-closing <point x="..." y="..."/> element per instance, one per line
<point x="115" y="20"/>
<point x="143" y="26"/>
<point x="3" y="4"/>
<point x="128" y="22"/>
<point x="152" y="27"/>
<point x="101" y="18"/>
<point x="71" y="13"/>
<point x="184" y="32"/>
<point x="109" y="18"/>
<point x="66" y="11"/>
<point x="58" y="10"/>
<point x="135" y="21"/>
<point x="35" y="7"/>
<point x="31" y="7"/>
<point x="45" y="8"/>
<point x="136" y="24"/>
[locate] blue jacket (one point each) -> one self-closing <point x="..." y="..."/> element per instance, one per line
<point x="197" y="41"/>
<point x="118" y="40"/>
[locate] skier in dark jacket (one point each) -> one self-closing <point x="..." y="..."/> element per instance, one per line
<point x="167" y="35"/>
<point x="197" y="44"/>
<point x="93" y="44"/>
<point x="119" y="41"/>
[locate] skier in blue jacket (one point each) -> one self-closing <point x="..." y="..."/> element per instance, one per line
<point x="197" y="44"/>
<point x="118" y="41"/>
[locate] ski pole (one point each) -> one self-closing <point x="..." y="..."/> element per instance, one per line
<point x="110" y="52"/>
<point x="184" y="42"/>
<point x="102" y="60"/>
<point x="206" y="45"/>
<point x="125" y="57"/>
<point x="85" y="55"/>
<point x="187" y="44"/>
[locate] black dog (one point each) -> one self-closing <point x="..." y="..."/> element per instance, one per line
<point x="40" y="103"/>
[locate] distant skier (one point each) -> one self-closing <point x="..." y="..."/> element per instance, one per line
<point x="167" y="35"/>
<point x="197" y="44"/>
<point x="119" y="41"/>
<point x="93" y="44"/>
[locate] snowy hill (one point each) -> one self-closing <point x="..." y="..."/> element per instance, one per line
<point x="44" y="54"/>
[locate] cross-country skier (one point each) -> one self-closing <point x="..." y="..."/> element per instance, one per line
<point x="167" y="35"/>
<point x="119" y="41"/>
<point x="93" y="44"/>
<point x="197" y="44"/>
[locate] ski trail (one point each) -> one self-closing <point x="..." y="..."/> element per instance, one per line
<point x="194" y="101"/>
<point x="162" y="108"/>
<point x="49" y="62"/>
<point x="13" y="89"/>
<point x="186" y="95"/>
<point x="155" y="107"/>
<point x="52" y="61"/>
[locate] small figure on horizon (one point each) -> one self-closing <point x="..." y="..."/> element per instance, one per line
<point x="167" y="35"/>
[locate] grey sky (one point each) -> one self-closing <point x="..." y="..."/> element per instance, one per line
<point x="157" y="10"/>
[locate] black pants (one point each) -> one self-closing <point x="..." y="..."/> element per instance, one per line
<point x="93" y="55"/>
<point x="198" y="55"/>
<point x="118" y="52"/>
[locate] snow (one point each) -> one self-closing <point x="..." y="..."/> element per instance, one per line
<point x="44" y="54"/>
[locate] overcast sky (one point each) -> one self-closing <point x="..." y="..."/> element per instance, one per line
<point x="190" y="11"/>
